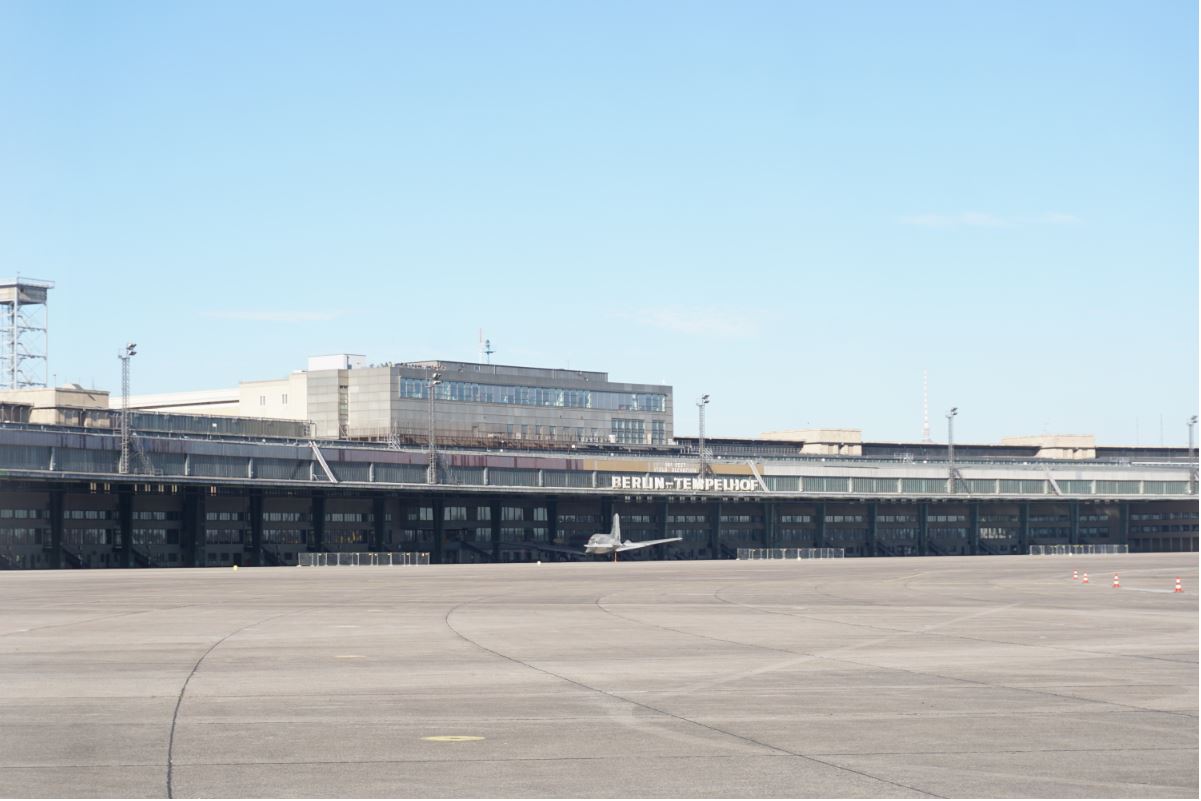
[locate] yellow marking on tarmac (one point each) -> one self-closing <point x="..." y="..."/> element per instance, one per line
<point x="452" y="738"/>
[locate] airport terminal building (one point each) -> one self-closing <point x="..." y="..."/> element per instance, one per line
<point x="344" y="397"/>
<point x="526" y="464"/>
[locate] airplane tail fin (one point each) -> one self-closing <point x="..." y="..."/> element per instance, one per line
<point x="616" y="528"/>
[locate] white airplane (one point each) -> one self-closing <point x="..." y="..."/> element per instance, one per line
<point x="611" y="543"/>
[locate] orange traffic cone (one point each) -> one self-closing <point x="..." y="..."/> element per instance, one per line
<point x="1085" y="579"/>
<point x="1116" y="583"/>
<point x="1178" y="587"/>
<point x="1075" y="576"/>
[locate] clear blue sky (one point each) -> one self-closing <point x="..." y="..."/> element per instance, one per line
<point x="795" y="207"/>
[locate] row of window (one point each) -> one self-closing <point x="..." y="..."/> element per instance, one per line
<point x="1164" y="516"/>
<point x="147" y="537"/>
<point x="89" y="514"/>
<point x="452" y="513"/>
<point x="285" y="536"/>
<point x="22" y="536"/>
<point x="23" y="514"/>
<point x="627" y="432"/>
<point x="418" y="388"/>
<point x="156" y="515"/>
<point x="1164" y="528"/>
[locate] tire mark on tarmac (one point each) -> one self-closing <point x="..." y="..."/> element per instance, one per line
<point x="819" y="589"/>
<point x="908" y="587"/>
<point x="94" y="619"/>
<point x="184" y="688"/>
<point x="900" y="633"/>
<point x="715" y="729"/>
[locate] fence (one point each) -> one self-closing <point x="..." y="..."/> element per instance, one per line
<point x="1076" y="550"/>
<point x="792" y="553"/>
<point x="386" y="559"/>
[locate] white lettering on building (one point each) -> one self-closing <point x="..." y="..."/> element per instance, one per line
<point x="685" y="484"/>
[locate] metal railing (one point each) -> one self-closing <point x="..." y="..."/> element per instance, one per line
<point x="385" y="559"/>
<point x="1077" y="550"/>
<point x="791" y="553"/>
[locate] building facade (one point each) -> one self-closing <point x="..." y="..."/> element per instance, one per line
<point x="248" y="500"/>
<point x="343" y="397"/>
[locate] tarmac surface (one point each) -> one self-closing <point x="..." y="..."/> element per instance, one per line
<point x="899" y="678"/>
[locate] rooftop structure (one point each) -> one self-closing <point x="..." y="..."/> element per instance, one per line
<point x="347" y="398"/>
<point x="24" y="332"/>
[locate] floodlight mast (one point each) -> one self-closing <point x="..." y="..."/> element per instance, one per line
<point x="701" y="404"/>
<point x="1192" y="468"/>
<point x="431" y="476"/>
<point x="951" y="449"/>
<point x="125" y="355"/>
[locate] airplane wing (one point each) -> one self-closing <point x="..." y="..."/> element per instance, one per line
<point x="538" y="546"/>
<point x="629" y="546"/>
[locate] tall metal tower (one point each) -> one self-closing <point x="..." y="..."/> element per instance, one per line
<point x="24" y="332"/>
<point x="125" y="355"/>
<point x="925" y="407"/>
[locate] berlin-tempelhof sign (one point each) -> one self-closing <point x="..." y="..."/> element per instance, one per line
<point x="686" y="484"/>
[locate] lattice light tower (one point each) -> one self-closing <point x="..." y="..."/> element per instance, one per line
<point x="24" y="332"/>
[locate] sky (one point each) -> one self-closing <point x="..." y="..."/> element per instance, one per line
<point x="794" y="207"/>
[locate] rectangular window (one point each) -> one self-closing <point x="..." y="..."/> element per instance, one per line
<point x="512" y="513"/>
<point x="454" y="513"/>
<point x="483" y="513"/>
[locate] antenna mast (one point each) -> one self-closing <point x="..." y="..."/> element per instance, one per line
<point x="925" y="407"/>
<point x="485" y="349"/>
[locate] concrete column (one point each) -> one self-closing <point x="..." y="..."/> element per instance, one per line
<point x="1024" y="528"/>
<point x="871" y="528"/>
<point x="317" y="538"/>
<point x="379" y="511"/>
<point x="769" y="524"/>
<point x="973" y="532"/>
<point x="439" y="531"/>
<point x="254" y="556"/>
<point x="494" y="506"/>
<point x="125" y="525"/>
<point x="191" y="528"/>
<point x="819" y="534"/>
<point x="714" y="509"/>
<point x="1123" y="523"/>
<point x="923" y="528"/>
<point x="54" y="556"/>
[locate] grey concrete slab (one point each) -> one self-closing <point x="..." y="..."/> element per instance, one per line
<point x="995" y="676"/>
